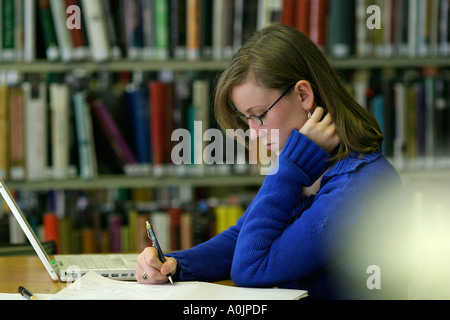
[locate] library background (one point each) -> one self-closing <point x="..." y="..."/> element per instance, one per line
<point x="91" y="91"/>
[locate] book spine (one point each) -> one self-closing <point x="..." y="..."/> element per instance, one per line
<point x="59" y="105"/>
<point x="149" y="29"/>
<point x="18" y="30"/>
<point x="17" y="134"/>
<point x="111" y="32"/>
<point x="48" y="30"/>
<point x="8" y="15"/>
<point x="162" y="29"/>
<point x="157" y="118"/>
<point x="175" y="214"/>
<point x="36" y="130"/>
<point x="96" y="30"/>
<point x="193" y="29"/>
<point x="80" y="46"/>
<point x="238" y="24"/>
<point x="115" y="226"/>
<point x="160" y="221"/>
<point x="206" y="30"/>
<point x="138" y="112"/>
<point x="444" y="28"/>
<point x="318" y="23"/>
<point x="178" y="20"/>
<point x="114" y="135"/>
<point x="289" y="11"/>
<point x="219" y="31"/>
<point x="4" y="132"/>
<point x="51" y="228"/>
<point x="58" y="9"/>
<point x="16" y="234"/>
<point x="201" y="103"/>
<point x="341" y="27"/>
<point x="29" y="45"/>
<point x="302" y="14"/>
<point x="84" y="137"/>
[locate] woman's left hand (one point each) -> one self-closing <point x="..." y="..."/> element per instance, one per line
<point x="321" y="131"/>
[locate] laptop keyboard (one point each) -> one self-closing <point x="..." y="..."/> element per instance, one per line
<point x="97" y="262"/>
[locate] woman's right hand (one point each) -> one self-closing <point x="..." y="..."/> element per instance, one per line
<point x="149" y="269"/>
<point x="321" y="131"/>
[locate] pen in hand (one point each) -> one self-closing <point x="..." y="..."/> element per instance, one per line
<point x="27" y="294"/>
<point x="152" y="236"/>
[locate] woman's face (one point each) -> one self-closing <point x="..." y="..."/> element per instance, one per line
<point x="287" y="114"/>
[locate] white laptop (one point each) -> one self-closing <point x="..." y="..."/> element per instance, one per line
<point x="69" y="267"/>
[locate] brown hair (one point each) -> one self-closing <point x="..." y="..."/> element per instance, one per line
<point x="278" y="57"/>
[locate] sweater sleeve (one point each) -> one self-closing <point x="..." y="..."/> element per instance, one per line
<point x="301" y="162"/>
<point x="271" y="242"/>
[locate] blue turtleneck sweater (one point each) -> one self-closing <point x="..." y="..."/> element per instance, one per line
<point x="318" y="243"/>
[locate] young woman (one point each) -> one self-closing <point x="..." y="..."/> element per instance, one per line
<point x="300" y="229"/>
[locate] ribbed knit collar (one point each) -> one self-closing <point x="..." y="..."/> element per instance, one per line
<point x="351" y="163"/>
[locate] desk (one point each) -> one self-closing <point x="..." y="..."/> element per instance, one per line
<point x="28" y="271"/>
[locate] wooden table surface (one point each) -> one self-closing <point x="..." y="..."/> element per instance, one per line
<point x="28" y="271"/>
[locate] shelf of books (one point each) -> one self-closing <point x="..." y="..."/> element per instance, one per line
<point x="92" y="91"/>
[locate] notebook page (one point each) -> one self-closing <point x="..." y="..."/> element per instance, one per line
<point x="93" y="286"/>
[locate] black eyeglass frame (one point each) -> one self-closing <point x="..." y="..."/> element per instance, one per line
<point x="259" y="118"/>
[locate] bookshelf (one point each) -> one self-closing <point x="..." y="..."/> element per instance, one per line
<point x="116" y="66"/>
<point x="43" y="66"/>
<point x="120" y="181"/>
<point x="353" y="49"/>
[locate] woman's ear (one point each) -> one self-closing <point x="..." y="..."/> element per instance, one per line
<point x="305" y="94"/>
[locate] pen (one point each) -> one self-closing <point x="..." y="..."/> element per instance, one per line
<point x="27" y="294"/>
<point x="151" y="235"/>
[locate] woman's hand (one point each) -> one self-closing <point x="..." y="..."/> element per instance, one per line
<point x="322" y="132"/>
<point x="149" y="269"/>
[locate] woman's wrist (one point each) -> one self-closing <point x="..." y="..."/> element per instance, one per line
<point x="306" y="154"/>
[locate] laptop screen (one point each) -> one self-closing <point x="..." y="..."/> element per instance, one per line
<point x="37" y="246"/>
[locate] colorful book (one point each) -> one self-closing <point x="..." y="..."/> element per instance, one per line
<point x="317" y="29"/>
<point x="51" y="229"/>
<point x="4" y="131"/>
<point x="77" y="34"/>
<point x="341" y="28"/>
<point x="48" y="30"/>
<point x="161" y="29"/>
<point x="58" y="9"/>
<point x="302" y="14"/>
<point x="113" y="133"/>
<point x="17" y="133"/>
<point x="59" y="106"/>
<point x="35" y="96"/>
<point x="193" y="29"/>
<point x="157" y="117"/>
<point x="96" y="30"/>
<point x="85" y="139"/>
<point x="29" y="30"/>
<point x="136" y="103"/>
<point x="8" y="31"/>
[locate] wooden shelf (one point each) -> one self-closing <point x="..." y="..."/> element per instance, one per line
<point x="107" y="182"/>
<point x="121" y="181"/>
<point x="43" y="66"/>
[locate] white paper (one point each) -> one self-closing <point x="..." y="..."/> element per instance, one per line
<point x="18" y="296"/>
<point x="93" y="286"/>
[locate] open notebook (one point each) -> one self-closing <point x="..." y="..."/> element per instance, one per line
<point x="93" y="286"/>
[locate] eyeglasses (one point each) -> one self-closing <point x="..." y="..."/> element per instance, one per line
<point x="258" y="119"/>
